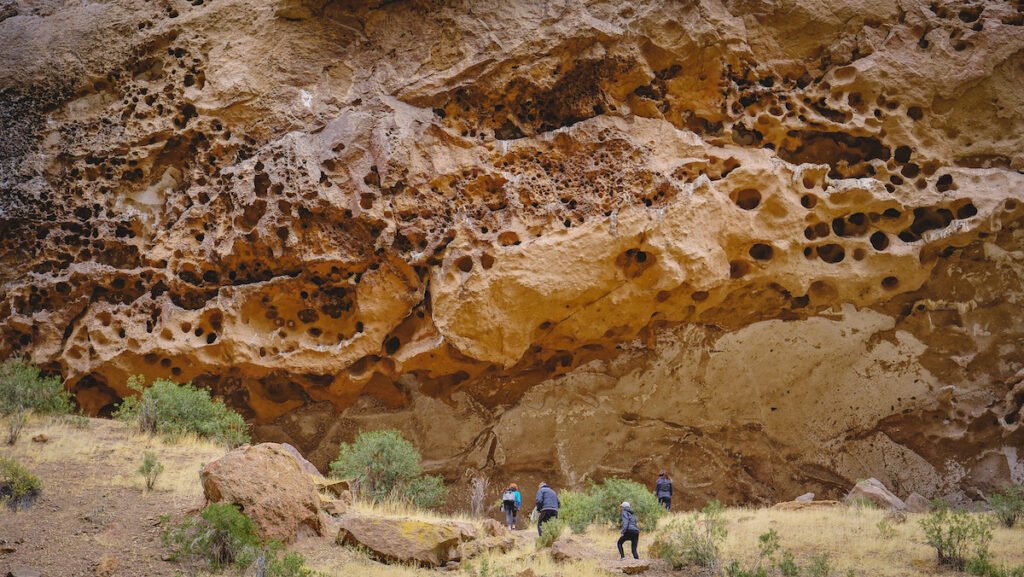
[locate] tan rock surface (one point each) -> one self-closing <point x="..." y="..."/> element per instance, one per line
<point x="271" y="486"/>
<point x="769" y="247"/>
<point x="873" y="491"/>
<point x="410" y="541"/>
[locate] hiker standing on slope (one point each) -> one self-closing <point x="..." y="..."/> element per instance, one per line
<point x="547" y="505"/>
<point x="630" y="530"/>
<point x="511" y="501"/>
<point x="663" y="491"/>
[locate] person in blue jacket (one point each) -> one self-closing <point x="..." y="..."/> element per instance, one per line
<point x="547" y="506"/>
<point x="663" y="490"/>
<point x="511" y="501"/>
<point x="630" y="530"/>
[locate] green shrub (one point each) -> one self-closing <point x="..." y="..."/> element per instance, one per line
<point x="775" y="561"/>
<point x="578" y="510"/>
<point x="550" y="532"/>
<point x="18" y="487"/>
<point x="1008" y="505"/>
<point x="956" y="535"/>
<point x="885" y="529"/>
<point x="150" y="469"/>
<point x="982" y="566"/>
<point x="386" y="467"/>
<point x="694" y="540"/>
<point x="600" y="504"/>
<point x="173" y="410"/>
<point x="24" y="390"/>
<point x="222" y="537"/>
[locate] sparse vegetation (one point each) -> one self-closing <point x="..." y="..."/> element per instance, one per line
<point x="694" y="540"/>
<point x="18" y="487"/>
<point x="1008" y="505"/>
<point x="150" y="469"/>
<point x="24" y="390"/>
<point x="222" y="537"/>
<point x="173" y="410"/>
<point x="550" y="532"/>
<point x="385" y="467"/>
<point x="956" y="536"/>
<point x="775" y="561"/>
<point x="600" y="504"/>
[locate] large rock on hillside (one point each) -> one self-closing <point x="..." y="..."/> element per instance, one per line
<point x="402" y="540"/>
<point x="917" y="503"/>
<point x="873" y="491"/>
<point x="779" y="238"/>
<point x="273" y="485"/>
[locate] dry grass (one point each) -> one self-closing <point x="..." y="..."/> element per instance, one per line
<point x="119" y="448"/>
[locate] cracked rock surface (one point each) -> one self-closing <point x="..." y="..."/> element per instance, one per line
<point x="770" y="247"/>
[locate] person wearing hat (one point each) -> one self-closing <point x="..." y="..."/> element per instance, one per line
<point x="511" y="501"/>
<point x="663" y="490"/>
<point x="547" y="505"/>
<point x="630" y="530"/>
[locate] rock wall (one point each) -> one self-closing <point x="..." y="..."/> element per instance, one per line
<point x="770" y="247"/>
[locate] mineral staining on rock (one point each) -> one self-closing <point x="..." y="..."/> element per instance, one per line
<point x="771" y="247"/>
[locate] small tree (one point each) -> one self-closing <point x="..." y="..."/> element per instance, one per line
<point x="1008" y="505"/>
<point x="384" y="466"/>
<point x="150" y="469"/>
<point x="172" y="410"/>
<point x="956" y="536"/>
<point x="24" y="390"/>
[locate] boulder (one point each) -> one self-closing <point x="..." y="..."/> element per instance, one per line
<point x="875" y="492"/>
<point x="634" y="566"/>
<point x="23" y="571"/>
<point x="917" y="503"/>
<point x="403" y="540"/>
<point x="333" y="507"/>
<point x="569" y="549"/>
<point x="805" y="498"/>
<point x="272" y="486"/>
<point x="494" y="543"/>
<point x="801" y="505"/>
<point x="340" y="488"/>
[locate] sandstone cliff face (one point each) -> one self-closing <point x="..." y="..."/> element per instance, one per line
<point x="770" y="246"/>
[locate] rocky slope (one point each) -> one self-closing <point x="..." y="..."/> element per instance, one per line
<point x="771" y="247"/>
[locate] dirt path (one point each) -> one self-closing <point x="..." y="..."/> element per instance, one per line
<point x="94" y="517"/>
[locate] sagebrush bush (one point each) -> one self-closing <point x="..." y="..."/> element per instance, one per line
<point x="1008" y="505"/>
<point x="550" y="532"/>
<point x="18" y="487"/>
<point x="173" y="410"/>
<point x="385" y="467"/>
<point x="150" y="469"/>
<point x="956" y="536"/>
<point x="775" y="561"/>
<point x="694" y="540"/>
<point x="981" y="565"/>
<point x="600" y="504"/>
<point x="221" y="536"/>
<point x="23" y="390"/>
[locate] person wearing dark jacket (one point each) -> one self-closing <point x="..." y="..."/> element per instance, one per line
<point x="547" y="505"/>
<point x="663" y="491"/>
<point x="630" y="530"/>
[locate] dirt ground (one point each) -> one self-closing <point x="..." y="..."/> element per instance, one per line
<point x="94" y="516"/>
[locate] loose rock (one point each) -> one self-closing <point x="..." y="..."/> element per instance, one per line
<point x="874" y="491"/>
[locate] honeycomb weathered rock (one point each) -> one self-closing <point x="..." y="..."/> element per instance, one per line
<point x="771" y="247"/>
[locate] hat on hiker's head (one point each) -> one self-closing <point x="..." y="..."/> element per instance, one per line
<point x="625" y="505"/>
<point x="662" y="474"/>
<point x="543" y="484"/>
<point x="513" y="486"/>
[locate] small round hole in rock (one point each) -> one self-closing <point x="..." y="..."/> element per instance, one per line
<point x="808" y="201"/>
<point x="890" y="282"/>
<point x="966" y="211"/>
<point x="738" y="269"/>
<point x="748" y="199"/>
<point x="486" y="261"/>
<point x="879" y="240"/>
<point x="761" y="251"/>
<point x="700" y="296"/>
<point x="464" y="263"/>
<point x="831" y="253"/>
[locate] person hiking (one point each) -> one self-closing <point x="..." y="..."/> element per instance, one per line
<point x="663" y="491"/>
<point x="547" y="506"/>
<point x="630" y="530"/>
<point x="511" y="501"/>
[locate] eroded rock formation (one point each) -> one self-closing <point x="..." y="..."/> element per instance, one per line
<point x="771" y="247"/>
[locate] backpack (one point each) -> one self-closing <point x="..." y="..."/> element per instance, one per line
<point x="509" y="496"/>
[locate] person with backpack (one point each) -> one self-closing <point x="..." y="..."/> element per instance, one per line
<point x="547" y="506"/>
<point x="511" y="501"/>
<point x="663" y="491"/>
<point x="630" y="530"/>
